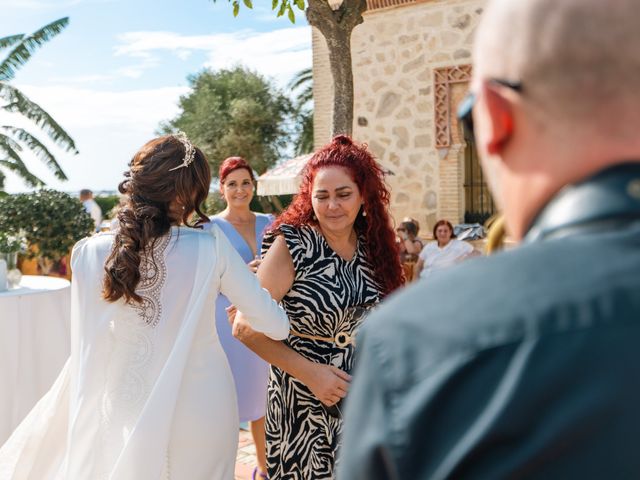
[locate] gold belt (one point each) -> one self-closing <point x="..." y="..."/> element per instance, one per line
<point x="341" y="339"/>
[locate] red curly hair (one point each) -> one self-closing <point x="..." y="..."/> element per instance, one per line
<point x="375" y="226"/>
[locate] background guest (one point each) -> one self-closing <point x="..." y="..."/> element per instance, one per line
<point x="244" y="229"/>
<point x="409" y="247"/>
<point x="444" y="252"/>
<point x="415" y="222"/>
<point x="92" y="207"/>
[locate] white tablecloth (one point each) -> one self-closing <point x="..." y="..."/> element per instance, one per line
<point x="34" y="344"/>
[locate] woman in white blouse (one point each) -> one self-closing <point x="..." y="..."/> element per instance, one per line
<point x="147" y="392"/>
<point x="444" y="252"/>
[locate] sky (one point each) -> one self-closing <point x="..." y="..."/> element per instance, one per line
<point x="120" y="67"/>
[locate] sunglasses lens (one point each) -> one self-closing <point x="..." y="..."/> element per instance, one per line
<point x="465" y="113"/>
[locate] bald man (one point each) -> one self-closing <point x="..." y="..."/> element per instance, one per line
<point x="525" y="364"/>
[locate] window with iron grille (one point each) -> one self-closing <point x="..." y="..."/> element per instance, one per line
<point x="478" y="202"/>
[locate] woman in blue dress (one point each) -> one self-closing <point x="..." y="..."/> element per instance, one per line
<point x="244" y="229"/>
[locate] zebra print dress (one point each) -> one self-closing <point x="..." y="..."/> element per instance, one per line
<point x="329" y="295"/>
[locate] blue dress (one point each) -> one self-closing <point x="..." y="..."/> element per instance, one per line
<point x="250" y="372"/>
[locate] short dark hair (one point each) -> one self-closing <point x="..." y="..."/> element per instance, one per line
<point x="410" y="227"/>
<point x="443" y="222"/>
<point x="85" y="191"/>
<point x="232" y="164"/>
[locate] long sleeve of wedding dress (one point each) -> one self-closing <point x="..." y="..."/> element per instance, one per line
<point x="260" y="310"/>
<point x="147" y="392"/>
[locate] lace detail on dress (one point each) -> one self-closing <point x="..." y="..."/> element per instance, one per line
<point x="153" y="272"/>
<point x="130" y="358"/>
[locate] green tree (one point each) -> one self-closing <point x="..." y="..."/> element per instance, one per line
<point x="234" y="112"/>
<point x="302" y="83"/>
<point x="14" y="140"/>
<point x="335" y="19"/>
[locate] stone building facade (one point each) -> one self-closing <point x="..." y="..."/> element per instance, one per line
<point x="411" y="66"/>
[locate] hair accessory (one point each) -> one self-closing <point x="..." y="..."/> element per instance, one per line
<point x="189" y="151"/>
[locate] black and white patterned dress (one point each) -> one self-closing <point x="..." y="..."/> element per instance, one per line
<point x="328" y="296"/>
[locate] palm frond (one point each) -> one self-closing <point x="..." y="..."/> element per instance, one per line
<point x="303" y="77"/>
<point x="10" y="40"/>
<point x="304" y="141"/>
<point x="16" y="165"/>
<point x="303" y="82"/>
<point x="19" y="103"/>
<point x="27" y="46"/>
<point x="7" y="143"/>
<point x="304" y="97"/>
<point x="38" y="148"/>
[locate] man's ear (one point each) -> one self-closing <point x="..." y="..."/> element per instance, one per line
<point x="499" y="116"/>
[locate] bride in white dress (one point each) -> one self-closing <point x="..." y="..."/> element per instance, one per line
<point x="147" y="392"/>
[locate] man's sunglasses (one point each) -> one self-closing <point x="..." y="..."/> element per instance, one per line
<point x="465" y="109"/>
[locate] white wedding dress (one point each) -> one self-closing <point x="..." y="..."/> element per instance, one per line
<point x="147" y="392"/>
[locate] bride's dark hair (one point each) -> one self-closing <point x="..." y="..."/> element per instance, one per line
<point x="150" y="188"/>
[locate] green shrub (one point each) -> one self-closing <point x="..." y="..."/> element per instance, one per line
<point x="107" y="204"/>
<point x="53" y="221"/>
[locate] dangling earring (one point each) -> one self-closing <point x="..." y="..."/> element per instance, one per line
<point x="315" y="219"/>
<point x="364" y="213"/>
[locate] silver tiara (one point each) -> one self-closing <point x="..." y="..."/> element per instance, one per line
<point x="189" y="151"/>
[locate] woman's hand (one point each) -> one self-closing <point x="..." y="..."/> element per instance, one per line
<point x="412" y="245"/>
<point x="254" y="264"/>
<point x="328" y="383"/>
<point x="401" y="246"/>
<point x="240" y="327"/>
<point x="231" y="313"/>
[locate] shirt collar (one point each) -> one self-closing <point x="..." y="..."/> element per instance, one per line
<point x="611" y="196"/>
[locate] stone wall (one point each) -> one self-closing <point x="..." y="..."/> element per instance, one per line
<point x="322" y="90"/>
<point x="395" y="52"/>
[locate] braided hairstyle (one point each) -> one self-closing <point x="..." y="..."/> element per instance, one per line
<point x="153" y="193"/>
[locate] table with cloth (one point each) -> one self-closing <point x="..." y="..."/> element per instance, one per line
<point x="34" y="344"/>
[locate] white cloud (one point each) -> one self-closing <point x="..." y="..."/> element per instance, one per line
<point x="82" y="79"/>
<point x="108" y="128"/>
<point x="136" y="70"/>
<point x="183" y="54"/>
<point x="87" y="108"/>
<point x="279" y="53"/>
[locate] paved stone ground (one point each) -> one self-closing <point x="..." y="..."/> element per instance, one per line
<point x="246" y="459"/>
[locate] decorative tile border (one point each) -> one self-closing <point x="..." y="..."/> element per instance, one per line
<point x="377" y="4"/>
<point x="443" y="78"/>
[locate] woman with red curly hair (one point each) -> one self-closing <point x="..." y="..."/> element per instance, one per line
<point x="330" y="257"/>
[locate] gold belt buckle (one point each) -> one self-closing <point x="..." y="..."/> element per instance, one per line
<point x="343" y="339"/>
